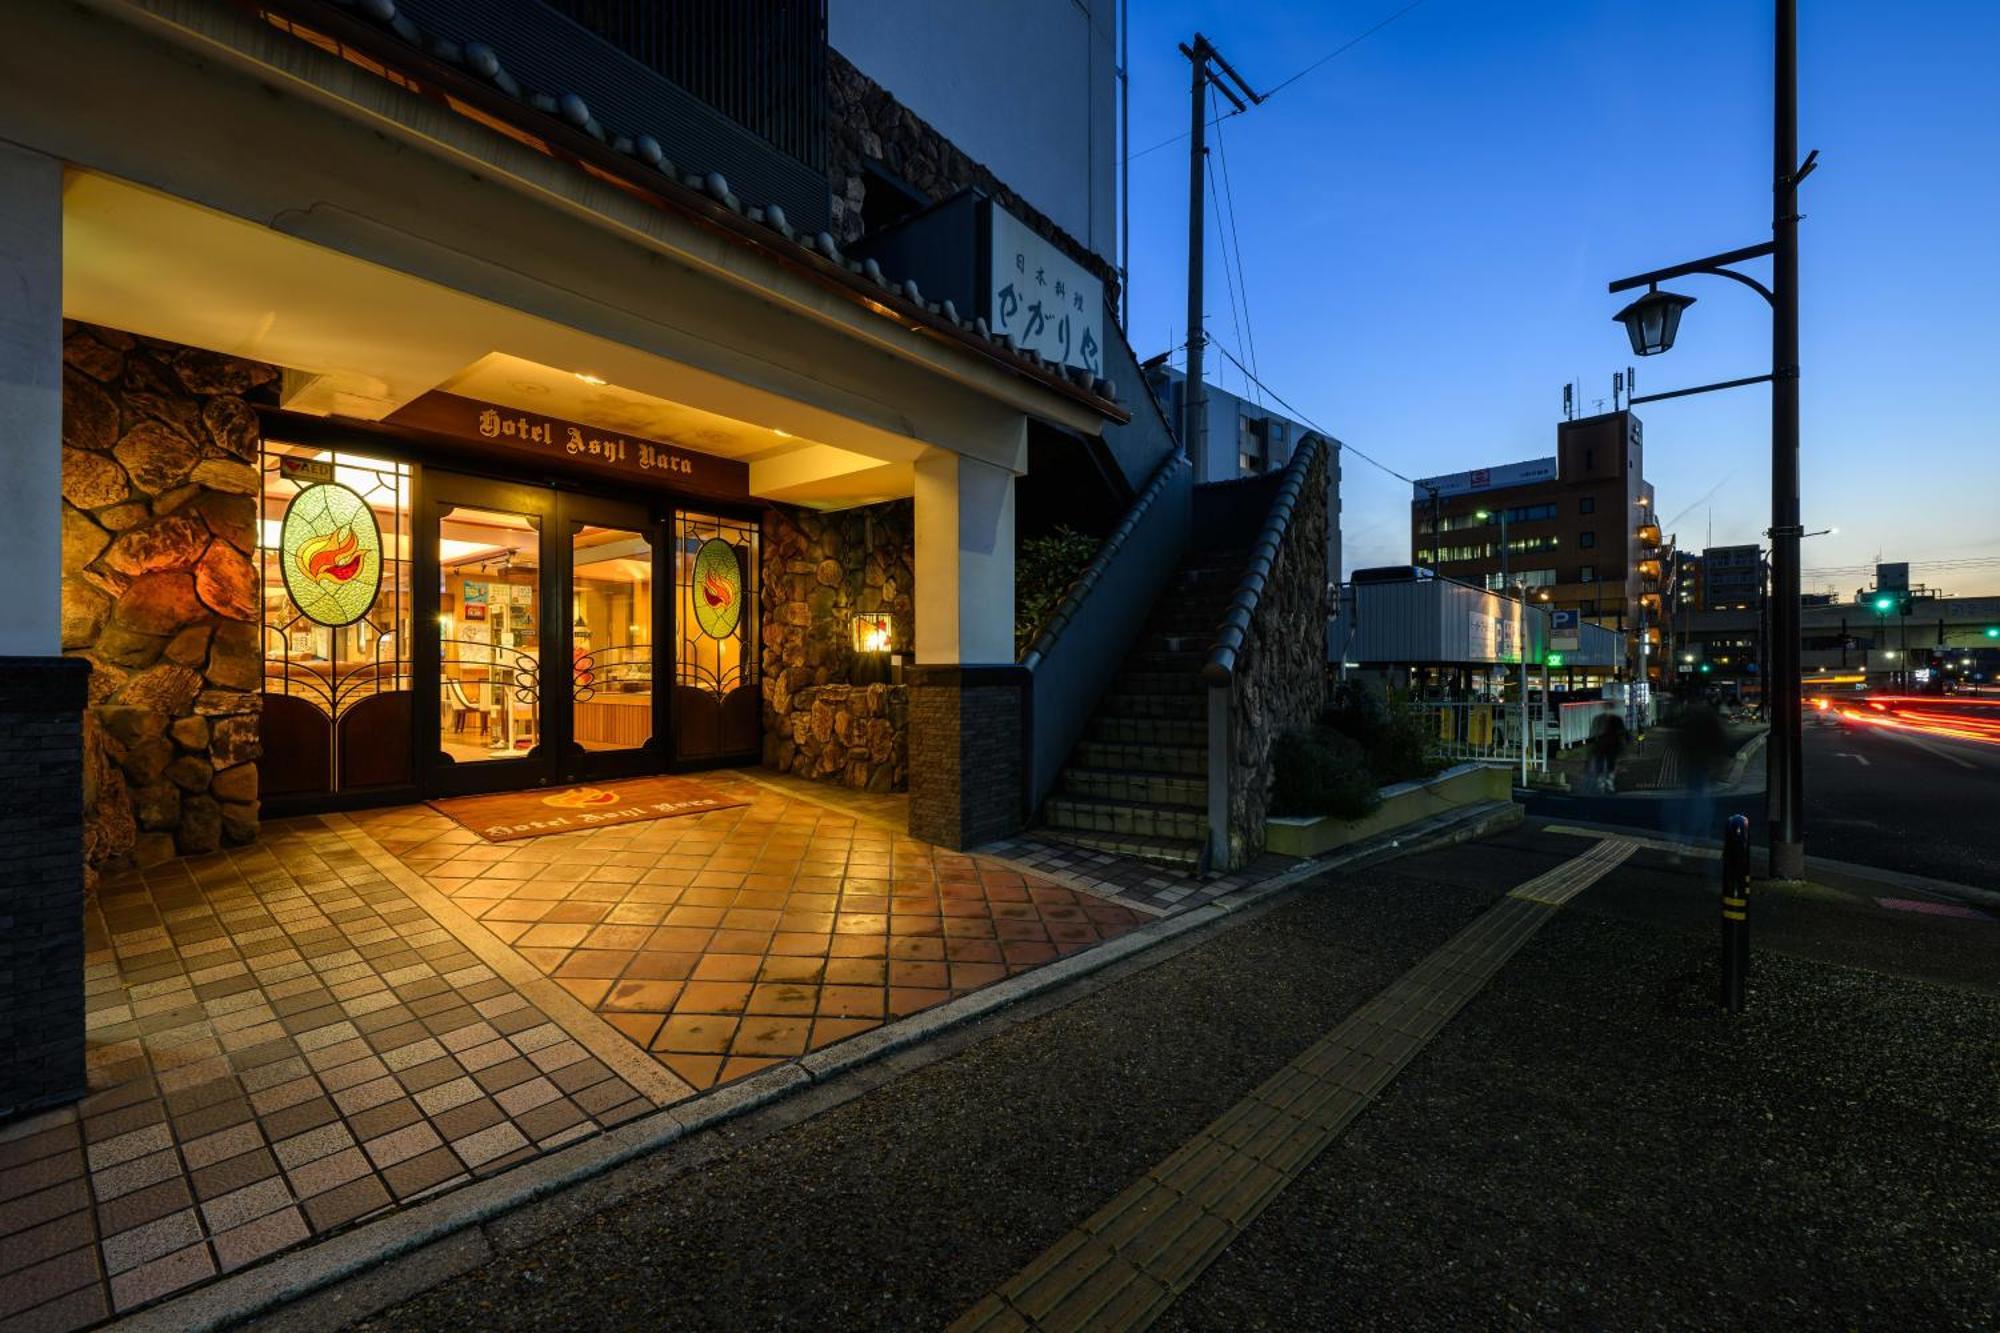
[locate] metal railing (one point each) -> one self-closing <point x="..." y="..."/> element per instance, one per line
<point x="1486" y="732"/>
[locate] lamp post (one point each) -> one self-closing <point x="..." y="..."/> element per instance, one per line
<point x="1651" y="322"/>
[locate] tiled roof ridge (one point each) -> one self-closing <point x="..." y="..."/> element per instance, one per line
<point x="482" y="62"/>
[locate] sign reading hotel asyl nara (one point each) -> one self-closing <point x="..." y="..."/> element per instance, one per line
<point x="571" y="443"/>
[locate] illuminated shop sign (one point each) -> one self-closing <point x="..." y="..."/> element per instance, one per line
<point x="330" y="551"/>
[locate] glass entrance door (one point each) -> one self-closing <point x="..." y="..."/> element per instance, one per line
<point x="610" y="554"/>
<point x="539" y="665"/>
<point x="484" y="565"/>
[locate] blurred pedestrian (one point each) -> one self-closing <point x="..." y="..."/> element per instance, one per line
<point x="1701" y="741"/>
<point x="1607" y="742"/>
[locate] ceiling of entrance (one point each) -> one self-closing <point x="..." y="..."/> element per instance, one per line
<point x="361" y="340"/>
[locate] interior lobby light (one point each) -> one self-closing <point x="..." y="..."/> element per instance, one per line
<point x="591" y="379"/>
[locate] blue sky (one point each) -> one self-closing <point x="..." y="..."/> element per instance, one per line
<point x="1428" y="223"/>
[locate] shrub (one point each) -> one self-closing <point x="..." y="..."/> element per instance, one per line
<point x="1044" y="567"/>
<point x="1321" y="774"/>
<point x="1394" y="735"/>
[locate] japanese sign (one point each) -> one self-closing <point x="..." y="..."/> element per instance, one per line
<point x="1045" y="300"/>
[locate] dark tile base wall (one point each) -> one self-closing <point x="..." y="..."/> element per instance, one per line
<point x="41" y="880"/>
<point x="966" y="769"/>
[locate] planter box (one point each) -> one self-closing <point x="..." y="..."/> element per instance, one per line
<point x="1404" y="803"/>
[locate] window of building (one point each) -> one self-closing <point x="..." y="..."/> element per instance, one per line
<point x="1533" y="578"/>
<point x="1586" y="539"/>
<point x="1249" y="464"/>
<point x="1587" y="505"/>
<point x="1586" y="573"/>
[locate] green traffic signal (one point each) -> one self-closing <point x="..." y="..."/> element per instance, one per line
<point x="1884" y="603"/>
<point x="1993" y="631"/>
<point x="1706" y="668"/>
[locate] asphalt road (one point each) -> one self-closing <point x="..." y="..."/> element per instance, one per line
<point x="1921" y="804"/>
<point x="1573" y="1151"/>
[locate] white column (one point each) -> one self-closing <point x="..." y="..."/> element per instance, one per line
<point x="965" y="561"/>
<point x="31" y="402"/>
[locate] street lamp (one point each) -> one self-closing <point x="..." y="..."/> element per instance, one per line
<point x="1651" y="322"/>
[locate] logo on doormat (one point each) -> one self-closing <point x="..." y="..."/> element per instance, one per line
<point x="582" y="798"/>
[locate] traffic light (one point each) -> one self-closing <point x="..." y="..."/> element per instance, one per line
<point x="1993" y="631"/>
<point x="1706" y="667"/>
<point x="1904" y="604"/>
<point x="1884" y="603"/>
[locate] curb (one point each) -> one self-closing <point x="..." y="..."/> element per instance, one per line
<point x="320" y="1265"/>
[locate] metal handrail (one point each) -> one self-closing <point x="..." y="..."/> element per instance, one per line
<point x="1079" y="589"/>
<point x="1220" y="669"/>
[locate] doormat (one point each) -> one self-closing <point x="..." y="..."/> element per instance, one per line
<point x="505" y="816"/>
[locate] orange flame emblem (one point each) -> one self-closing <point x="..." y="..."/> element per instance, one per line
<point x="715" y="591"/>
<point x="581" y="798"/>
<point x="332" y="555"/>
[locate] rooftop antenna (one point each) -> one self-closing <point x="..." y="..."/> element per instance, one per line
<point x="1617" y="388"/>
<point x="1569" y="400"/>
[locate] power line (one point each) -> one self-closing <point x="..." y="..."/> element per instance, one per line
<point x="1329" y="435"/>
<point x="1236" y="243"/>
<point x="1342" y="49"/>
<point x="1228" y="275"/>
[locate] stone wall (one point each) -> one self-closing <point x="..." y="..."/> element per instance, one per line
<point x="966" y="753"/>
<point x="865" y="123"/>
<point x="821" y="720"/>
<point x="1280" y="683"/>
<point x="161" y="591"/>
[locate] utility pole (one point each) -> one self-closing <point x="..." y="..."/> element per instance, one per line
<point x="1200" y="56"/>
<point x="1788" y="854"/>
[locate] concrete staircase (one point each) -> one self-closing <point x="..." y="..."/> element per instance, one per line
<point x="1137" y="783"/>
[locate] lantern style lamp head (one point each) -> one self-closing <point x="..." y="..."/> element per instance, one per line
<point x="873" y="633"/>
<point x="1652" y="320"/>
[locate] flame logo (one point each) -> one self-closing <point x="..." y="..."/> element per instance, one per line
<point x="581" y="798"/>
<point x="332" y="555"/>
<point x="716" y="592"/>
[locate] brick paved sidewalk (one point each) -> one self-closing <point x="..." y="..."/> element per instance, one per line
<point x="290" y="1038"/>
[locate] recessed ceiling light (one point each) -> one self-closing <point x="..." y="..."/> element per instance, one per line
<point x="589" y="378"/>
<point x="781" y="432"/>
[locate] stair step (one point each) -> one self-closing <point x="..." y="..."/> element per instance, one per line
<point x="1157" y="682"/>
<point x="1111" y="729"/>
<point x="1184" y="760"/>
<point x="1172" y="662"/>
<point x="1176" y="707"/>
<point x="1146" y="821"/>
<point x="1139" y="788"/>
<point x="1169" y="851"/>
<point x="1181" y="642"/>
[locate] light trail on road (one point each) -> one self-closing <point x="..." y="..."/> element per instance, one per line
<point x="1914" y="713"/>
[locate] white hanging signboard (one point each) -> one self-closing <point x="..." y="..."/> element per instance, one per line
<point x="1045" y="300"/>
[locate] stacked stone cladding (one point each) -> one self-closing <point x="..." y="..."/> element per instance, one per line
<point x="823" y="718"/>
<point x="161" y="592"/>
<point x="865" y="123"/>
<point x="1280" y="681"/>
<point x="966" y="753"/>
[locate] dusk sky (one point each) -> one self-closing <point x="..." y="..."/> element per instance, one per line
<point x="1428" y="223"/>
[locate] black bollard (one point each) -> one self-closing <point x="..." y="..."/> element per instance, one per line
<point x="1735" y="911"/>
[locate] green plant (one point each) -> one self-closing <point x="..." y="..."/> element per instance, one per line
<point x="1044" y="567"/>
<point x="1321" y="773"/>
<point x="1393" y="734"/>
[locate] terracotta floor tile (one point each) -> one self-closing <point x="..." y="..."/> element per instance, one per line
<point x="858" y="946"/>
<point x="968" y="928"/>
<point x="916" y="925"/>
<point x="709" y="897"/>
<point x="679" y="939"/>
<point x="696" y="1034"/>
<point x="555" y="937"/>
<point x="728" y="967"/>
<point x="591" y="993"/>
<point x="826" y="1031"/>
<point x="652" y="965"/>
<point x="1021" y="953"/>
<point x="643" y="995"/>
<point x="685" y="915"/>
<point x="856" y="971"/>
<point x="741" y="941"/>
<point x="713" y="997"/>
<point x="769" y="1035"/>
<point x="917" y="948"/>
<point x="794" y="944"/>
<point x="547" y="960"/>
<point x="1019" y="930"/>
<point x="906" y="1000"/>
<point x="970" y="976"/>
<point x="783" y="997"/>
<point x="779" y="967"/>
<point x="935" y="975"/>
<point x="809" y="923"/>
<point x="617" y="937"/>
<point x="860" y="923"/>
<point x="751" y="918"/>
<point x="700" y="1071"/>
<point x="972" y="951"/>
<point x="742" y="1066"/>
<point x="850" y="1001"/>
<point x="640" y="1027"/>
<point x="576" y="913"/>
<point x="605" y="963"/>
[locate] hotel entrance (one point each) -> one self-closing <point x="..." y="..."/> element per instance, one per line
<point x="431" y="632"/>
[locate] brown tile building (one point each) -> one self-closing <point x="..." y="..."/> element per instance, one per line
<point x="1580" y="528"/>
